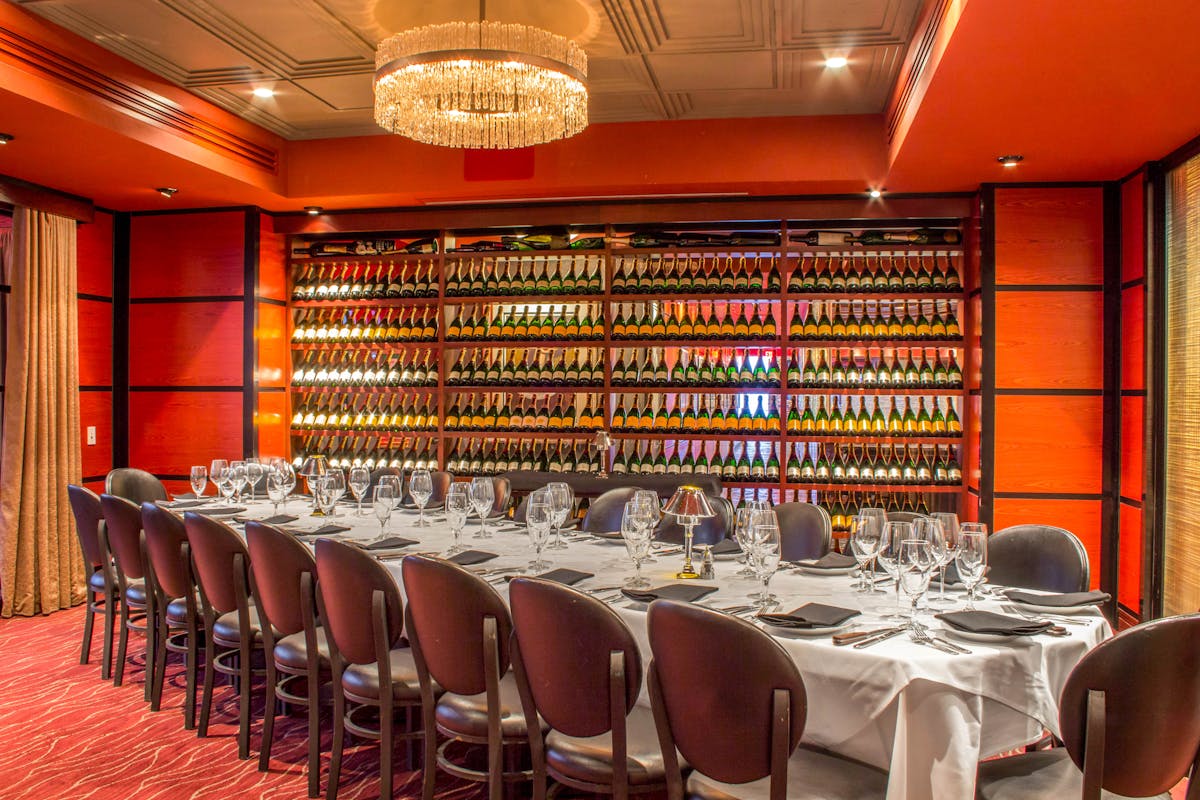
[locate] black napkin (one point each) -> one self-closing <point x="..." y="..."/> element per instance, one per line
<point x="687" y="592"/>
<point x="1065" y="600"/>
<point x="182" y="504"/>
<point x="185" y="496"/>
<point x="278" y="519"/>
<point x="390" y="543"/>
<point x="221" y="510"/>
<point x="810" y="615"/>
<point x="726" y="547"/>
<point x="327" y="529"/>
<point x="830" y="560"/>
<point x="468" y="557"/>
<point x="988" y="622"/>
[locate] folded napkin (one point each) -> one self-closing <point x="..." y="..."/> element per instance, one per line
<point x="179" y="504"/>
<point x="326" y="530"/>
<point x="565" y="576"/>
<point x="1065" y="600"/>
<point x="278" y="519"/>
<point x="221" y="510"/>
<point x="830" y="560"/>
<point x="185" y="496"/>
<point x="810" y="615"/>
<point x="988" y="622"/>
<point x="390" y="543"/>
<point x="468" y="557"/>
<point x="726" y="547"/>
<point x="686" y="592"/>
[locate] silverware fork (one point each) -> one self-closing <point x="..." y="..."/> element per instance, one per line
<point x="921" y="635"/>
<point x="1057" y="620"/>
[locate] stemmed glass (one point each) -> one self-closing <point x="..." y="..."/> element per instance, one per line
<point x="650" y="509"/>
<point x="764" y="553"/>
<point x="971" y="561"/>
<point x="277" y="489"/>
<point x="287" y="476"/>
<point x="216" y="472"/>
<point x="540" y="516"/>
<point x="741" y="534"/>
<point x="360" y="482"/>
<point x="866" y="540"/>
<point x="325" y="493"/>
<point x="636" y="532"/>
<point x="914" y="569"/>
<point x="976" y="527"/>
<point x="562" y="503"/>
<point x="483" y="497"/>
<point x="222" y="478"/>
<point x="382" y="501"/>
<point x="199" y="480"/>
<point x="889" y="559"/>
<point x="420" y="489"/>
<point x="254" y="474"/>
<point x="948" y="521"/>
<point x="458" y="508"/>
<point x="335" y="482"/>
<point x="237" y="472"/>
<point x="394" y="482"/>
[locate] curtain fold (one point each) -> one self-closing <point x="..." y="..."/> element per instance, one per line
<point x="42" y="566"/>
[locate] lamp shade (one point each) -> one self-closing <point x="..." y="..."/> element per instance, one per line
<point x="689" y="501"/>
<point x="314" y="466"/>
<point x="601" y="440"/>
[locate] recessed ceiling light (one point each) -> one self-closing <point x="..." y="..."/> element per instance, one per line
<point x="5" y="138"/>
<point x="836" y="62"/>
<point x="1010" y="161"/>
<point x="167" y="191"/>
<point x="313" y="210"/>
<point x="263" y="92"/>
<point x="875" y="193"/>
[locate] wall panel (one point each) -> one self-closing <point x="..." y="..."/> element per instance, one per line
<point x="1133" y="325"/>
<point x="95" y="342"/>
<point x="271" y="337"/>
<point x="170" y="431"/>
<point x="1050" y="236"/>
<point x="272" y="421"/>
<point x="185" y="344"/>
<point x="187" y="255"/>
<point x="95" y="410"/>
<point x="1047" y="340"/>
<point x="1130" y="591"/>
<point x="1048" y="444"/>
<point x="94" y="254"/>
<point x="1132" y="410"/>
<point x="1081" y="517"/>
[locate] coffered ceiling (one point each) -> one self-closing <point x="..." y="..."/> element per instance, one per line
<point x="649" y="59"/>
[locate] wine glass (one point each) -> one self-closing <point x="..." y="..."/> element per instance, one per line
<point x="764" y="550"/>
<point x="483" y="497"/>
<point x="254" y="474"/>
<point x="360" y="482"/>
<point x="420" y="489"/>
<point x="335" y="482"/>
<point x="395" y="483"/>
<point x="562" y="502"/>
<point x="971" y="561"/>
<point x="382" y="502"/>
<point x="325" y="493"/>
<point x="950" y="532"/>
<point x="199" y="480"/>
<point x="458" y="508"/>
<point x="866" y="540"/>
<point x="741" y="534"/>
<point x="237" y="472"/>
<point x="889" y="558"/>
<point x="540" y="516"/>
<point x="287" y="476"/>
<point x="277" y="490"/>
<point x="216" y="471"/>
<point x="636" y="534"/>
<point x="650" y="508"/>
<point x="914" y="569"/>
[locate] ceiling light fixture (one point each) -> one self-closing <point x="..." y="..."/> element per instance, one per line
<point x="313" y="210"/>
<point x="1010" y="161"/>
<point x="481" y="85"/>
<point x="836" y="62"/>
<point x="5" y="138"/>
<point x="167" y="191"/>
<point x="875" y="193"/>
<point x="263" y="92"/>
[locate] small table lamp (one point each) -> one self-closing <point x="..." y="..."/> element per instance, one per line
<point x="690" y="505"/>
<point x="602" y="443"/>
<point x="314" y="467"/>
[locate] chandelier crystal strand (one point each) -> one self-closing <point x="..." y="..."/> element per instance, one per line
<point x="483" y="85"/>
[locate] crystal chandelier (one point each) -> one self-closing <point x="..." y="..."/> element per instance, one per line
<point x="481" y="85"/>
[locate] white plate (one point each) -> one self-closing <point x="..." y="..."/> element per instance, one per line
<point x="807" y="570"/>
<point x="1053" y="609"/>
<point x="779" y="630"/>
<point x="994" y="638"/>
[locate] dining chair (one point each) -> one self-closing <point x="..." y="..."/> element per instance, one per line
<point x="502" y="490"/>
<point x="283" y="584"/>
<point x="102" y="597"/>
<point x="232" y="627"/>
<point x="904" y="516"/>
<point x="463" y="646"/>
<point x="709" y="530"/>
<point x="1038" y="557"/>
<point x="442" y="481"/>
<point x="373" y="669"/>
<point x="738" y="721"/>
<point x="169" y="572"/>
<point x="380" y="472"/>
<point x="805" y="531"/>
<point x="518" y="515"/>
<point x="578" y="666"/>
<point x="123" y="522"/>
<point x="604" y="513"/>
<point x="135" y="485"/>
<point x="1128" y="720"/>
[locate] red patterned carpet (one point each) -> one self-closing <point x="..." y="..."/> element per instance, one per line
<point x="65" y="733"/>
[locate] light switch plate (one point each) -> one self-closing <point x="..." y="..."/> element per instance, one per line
<point x="91" y="434"/>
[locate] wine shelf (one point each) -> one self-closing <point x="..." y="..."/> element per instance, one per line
<point x="546" y="299"/>
<point x="366" y="346"/>
<point x="868" y="344"/>
<point x="882" y="488"/>
<point x="671" y="436"/>
<point x="389" y="302"/>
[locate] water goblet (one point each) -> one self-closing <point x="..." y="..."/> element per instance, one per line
<point x="276" y="489"/>
<point x="562" y="503"/>
<point x="199" y="479"/>
<point x="216" y="471"/>
<point x="741" y="531"/>
<point x="914" y="568"/>
<point x="420" y="489"/>
<point x="650" y="509"/>
<point x="971" y="561"/>
<point x="540" y="517"/>
<point x="237" y="472"/>
<point x="866" y="540"/>
<point x="483" y="497"/>
<point x="254" y="474"/>
<point x="458" y="508"/>
<point x="888" y="558"/>
<point x="359" y="483"/>
<point x="335" y="480"/>
<point x="636" y="534"/>
<point x="764" y="553"/>
<point x="948" y="522"/>
<point x="382" y="502"/>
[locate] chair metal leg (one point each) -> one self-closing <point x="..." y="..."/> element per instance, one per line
<point x="159" y="673"/>
<point x="110" y="613"/>
<point x="264" y="752"/>
<point x="314" y="736"/>
<point x="244" y="700"/>
<point x="123" y="641"/>
<point x="151" y="647"/>
<point x="191" y="667"/>
<point x="429" y="767"/>
<point x="207" y="692"/>
<point x="339" y="733"/>
<point x="88" y="617"/>
<point x="387" y="743"/>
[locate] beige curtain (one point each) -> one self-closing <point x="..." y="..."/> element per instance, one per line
<point x="42" y="563"/>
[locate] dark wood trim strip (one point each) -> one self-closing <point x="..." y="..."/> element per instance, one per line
<point x="1040" y="287"/>
<point x="974" y="293"/>
<point x="92" y="478"/>
<point x="1048" y="496"/>
<point x="1129" y="284"/>
<point x="1110" y="525"/>
<point x="271" y="301"/>
<point x="185" y="388"/>
<point x="1049" y="392"/>
<point x="1155" y="464"/>
<point x="1139" y="170"/>
<point x="167" y="476"/>
<point x="90" y="388"/>
<point x="1052" y="185"/>
<point x="99" y="298"/>
<point x="17" y="192"/>
<point x="973" y="490"/>
<point x="1132" y="502"/>
<point x="1126" y="617"/>
<point x="1179" y="155"/>
<point x="250" y="245"/>
<point x="120" y="351"/>
<point x="211" y="298"/>
<point x="1133" y="393"/>
<point x="974" y="392"/>
<point x="270" y="389"/>
<point x="166" y="212"/>
<point x="5" y="289"/>
<point x="987" y="285"/>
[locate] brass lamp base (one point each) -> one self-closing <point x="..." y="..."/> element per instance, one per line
<point x="687" y="574"/>
<point x="689" y="570"/>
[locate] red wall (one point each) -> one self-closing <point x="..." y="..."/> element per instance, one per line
<point x="272" y="416"/>
<point x="1133" y="390"/>
<point x="95" y="287"/>
<point x="1049" y="378"/>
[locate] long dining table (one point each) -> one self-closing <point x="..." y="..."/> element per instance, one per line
<point x="925" y="716"/>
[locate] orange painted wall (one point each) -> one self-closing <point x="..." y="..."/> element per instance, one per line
<point x="1133" y="388"/>
<point x="94" y="265"/>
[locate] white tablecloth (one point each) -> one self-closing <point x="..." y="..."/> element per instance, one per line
<point x="926" y="716"/>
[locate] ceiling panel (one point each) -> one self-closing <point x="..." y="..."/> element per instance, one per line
<point x="649" y="59"/>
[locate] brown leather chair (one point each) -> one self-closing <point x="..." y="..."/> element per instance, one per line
<point x="441" y="486"/>
<point x="1128" y="719"/>
<point x="231" y="624"/>
<point x="372" y="667"/>
<point x="101" y="581"/>
<point x="738" y="721"/>
<point x="135" y="485"/>
<point x="572" y="520"/>
<point x="283" y="584"/>
<point x="904" y="516"/>
<point x="605" y="512"/>
<point x="502" y="489"/>
<point x="378" y="473"/>
<point x="463" y="646"/>
<point x="710" y="530"/>
<point x="1038" y="557"/>
<point x="123" y="521"/>
<point x="174" y="587"/>
<point x="578" y="666"/>
<point x="805" y="531"/>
